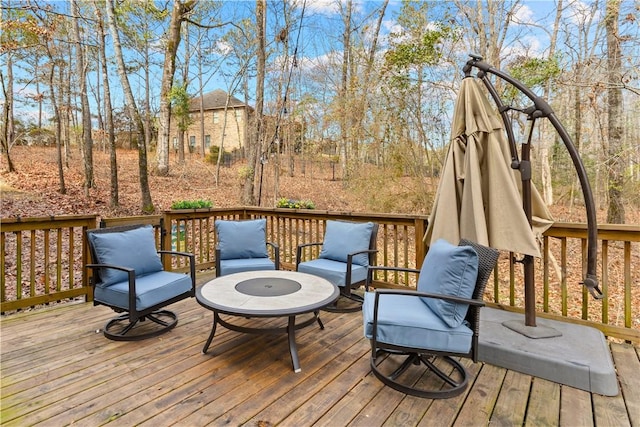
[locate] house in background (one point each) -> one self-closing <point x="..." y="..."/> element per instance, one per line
<point x="209" y="126"/>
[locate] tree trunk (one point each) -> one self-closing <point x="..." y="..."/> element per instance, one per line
<point x="7" y="113"/>
<point x="615" y="155"/>
<point x="111" y="138"/>
<point x="223" y="133"/>
<point x="87" y="141"/>
<point x="255" y="143"/>
<point x="168" y="71"/>
<point x="147" y="97"/>
<point x="134" y="114"/>
<point x="547" y="132"/>
<point x="62" y="189"/>
<point x="346" y="49"/>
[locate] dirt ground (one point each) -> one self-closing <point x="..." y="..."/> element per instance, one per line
<point x="33" y="189"/>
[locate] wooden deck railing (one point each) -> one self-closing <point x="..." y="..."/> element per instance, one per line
<point x="42" y="260"/>
<point x="36" y="271"/>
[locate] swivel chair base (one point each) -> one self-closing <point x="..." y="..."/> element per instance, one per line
<point x="121" y="329"/>
<point x="448" y="386"/>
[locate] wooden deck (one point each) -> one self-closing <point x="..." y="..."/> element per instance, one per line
<point x="56" y="370"/>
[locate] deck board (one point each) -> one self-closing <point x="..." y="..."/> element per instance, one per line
<point x="511" y="404"/>
<point x="56" y="370"/>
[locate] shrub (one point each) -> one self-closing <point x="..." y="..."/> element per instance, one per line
<point x="295" y="204"/>
<point x="191" y="204"/>
<point x="212" y="156"/>
<point x="244" y="172"/>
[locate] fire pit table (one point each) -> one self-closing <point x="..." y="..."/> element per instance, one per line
<point x="267" y="293"/>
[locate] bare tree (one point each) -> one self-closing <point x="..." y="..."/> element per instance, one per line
<point x="8" y="125"/>
<point x="346" y="58"/>
<point x="110" y="131"/>
<point x="615" y="160"/>
<point x="257" y="137"/>
<point x="7" y="113"/>
<point x="87" y="140"/>
<point x="134" y="114"/>
<point x="179" y="13"/>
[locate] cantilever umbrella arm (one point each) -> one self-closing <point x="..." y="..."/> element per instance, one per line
<point x="542" y="109"/>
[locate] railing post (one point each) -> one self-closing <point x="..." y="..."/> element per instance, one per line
<point x="421" y="247"/>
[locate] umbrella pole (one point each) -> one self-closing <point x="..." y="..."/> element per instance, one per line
<point x="529" y="328"/>
<point x="524" y="166"/>
<point x="529" y="276"/>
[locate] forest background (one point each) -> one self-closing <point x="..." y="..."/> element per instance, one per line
<point x="370" y="86"/>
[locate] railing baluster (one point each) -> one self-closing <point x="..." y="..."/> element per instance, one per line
<point x="627" y="286"/>
<point x="563" y="280"/>
<point x="604" y="283"/>
<point x="32" y="263"/>
<point x="46" y="248"/>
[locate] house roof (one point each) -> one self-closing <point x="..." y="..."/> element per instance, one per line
<point x="215" y="100"/>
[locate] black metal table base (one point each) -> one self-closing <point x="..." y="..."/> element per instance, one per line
<point x="290" y="329"/>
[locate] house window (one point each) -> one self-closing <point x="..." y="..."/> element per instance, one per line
<point x="207" y="141"/>
<point x="216" y="117"/>
<point x="175" y="143"/>
<point x="239" y="115"/>
<point x="192" y="141"/>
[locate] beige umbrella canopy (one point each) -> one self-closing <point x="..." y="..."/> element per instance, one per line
<point x="479" y="196"/>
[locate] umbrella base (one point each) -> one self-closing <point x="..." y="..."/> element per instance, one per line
<point x="579" y="358"/>
<point x="534" y="332"/>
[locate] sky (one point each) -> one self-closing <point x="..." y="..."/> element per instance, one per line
<point x="313" y="44"/>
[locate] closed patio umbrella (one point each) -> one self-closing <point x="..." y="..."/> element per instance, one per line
<point x="479" y="195"/>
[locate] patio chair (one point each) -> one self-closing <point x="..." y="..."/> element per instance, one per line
<point x="243" y="246"/>
<point x="433" y="326"/>
<point x="128" y="276"/>
<point x="347" y="250"/>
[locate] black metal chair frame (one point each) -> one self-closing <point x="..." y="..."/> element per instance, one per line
<point x="276" y="256"/>
<point x="345" y="291"/>
<point x="450" y="386"/>
<point x="118" y="327"/>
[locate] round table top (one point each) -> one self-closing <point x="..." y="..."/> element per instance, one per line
<point x="267" y="293"/>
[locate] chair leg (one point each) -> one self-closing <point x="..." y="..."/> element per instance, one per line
<point x="447" y="387"/>
<point x="121" y="329"/>
<point x="354" y="302"/>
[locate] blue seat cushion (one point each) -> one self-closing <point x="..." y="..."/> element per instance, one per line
<point x="132" y="248"/>
<point x="230" y="266"/>
<point x="406" y="321"/>
<point x="449" y="270"/>
<point x="334" y="271"/>
<point x="151" y="289"/>
<point x="242" y="239"/>
<point x="342" y="238"/>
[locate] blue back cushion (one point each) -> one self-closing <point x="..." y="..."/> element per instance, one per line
<point x="132" y="248"/>
<point x="449" y="270"/>
<point x="342" y="238"/>
<point x="242" y="239"/>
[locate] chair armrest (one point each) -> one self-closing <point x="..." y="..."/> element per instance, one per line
<point x="192" y="264"/>
<point x="373" y="268"/>
<point x="117" y="267"/>
<point x="299" y="251"/>
<point x="412" y="293"/>
<point x="366" y="251"/>
<point x="95" y="267"/>
<point x="131" y="276"/>
<point x="186" y="254"/>
<point x="276" y="253"/>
